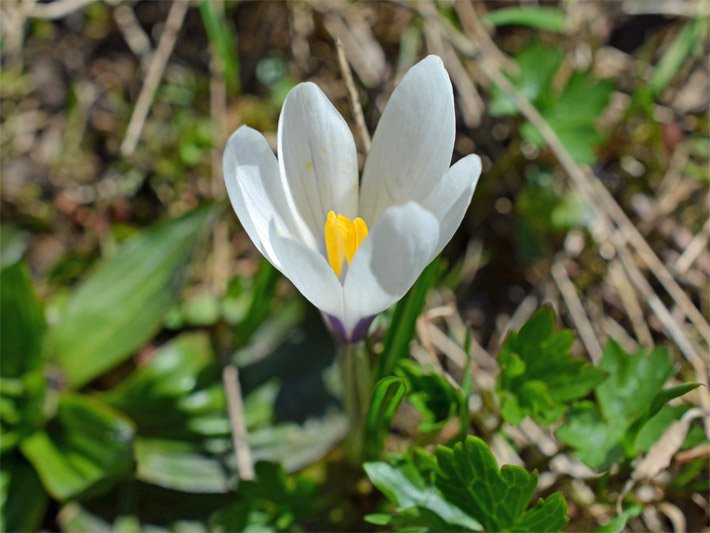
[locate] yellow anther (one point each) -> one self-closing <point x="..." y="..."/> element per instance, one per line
<point x="342" y="239"/>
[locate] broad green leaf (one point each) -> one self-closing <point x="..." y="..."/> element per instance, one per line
<point x="618" y="523"/>
<point x="406" y="488"/>
<point x="174" y="390"/>
<point x="184" y="466"/>
<point x="404" y="320"/>
<point x="469" y="477"/>
<point x="88" y="447"/>
<point x="541" y="18"/>
<point x="386" y="396"/>
<point x="22" y="498"/>
<point x="121" y="304"/>
<point x="22" y="321"/>
<point x="539" y="376"/>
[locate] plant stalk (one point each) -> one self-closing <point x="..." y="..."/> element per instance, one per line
<point x="357" y="382"/>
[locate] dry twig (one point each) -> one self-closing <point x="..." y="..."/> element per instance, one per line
<point x="576" y="310"/>
<point x="354" y="97"/>
<point x="176" y="15"/>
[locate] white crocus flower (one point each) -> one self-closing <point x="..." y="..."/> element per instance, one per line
<point x="352" y="250"/>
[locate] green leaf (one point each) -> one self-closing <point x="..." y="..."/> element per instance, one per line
<point x="539" y="376"/>
<point x="404" y="486"/>
<point x="168" y="396"/>
<point x="431" y="395"/>
<point x="541" y="18"/>
<point x="274" y="500"/>
<point x="666" y="395"/>
<point x="22" y="498"/>
<point x="618" y="523"/>
<point x="404" y="321"/>
<point x="689" y="39"/>
<point x="572" y="112"/>
<point x="88" y="447"/>
<point x="184" y="466"/>
<point x="22" y="321"/>
<point x="386" y="397"/>
<point x="222" y="41"/>
<point x="537" y="66"/>
<point x="121" y="304"/>
<point x="595" y="442"/>
<point x="633" y="382"/>
<point x="469" y="478"/>
<point x="630" y="415"/>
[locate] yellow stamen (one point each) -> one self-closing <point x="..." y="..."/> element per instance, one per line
<point x="342" y="239"/>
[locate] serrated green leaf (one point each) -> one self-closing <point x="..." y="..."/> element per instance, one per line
<point x="573" y="115"/>
<point x="549" y="514"/>
<point x="121" y="303"/>
<point x="431" y="395"/>
<point x="633" y="382"/>
<point x="274" y="500"/>
<point x="541" y="18"/>
<point x="386" y="397"/>
<point x="405" y="487"/>
<point x="539" y="376"/>
<point x="469" y="477"/>
<point x="89" y="447"/>
<point x="537" y="65"/>
<point x="595" y="442"/>
<point x="629" y="401"/>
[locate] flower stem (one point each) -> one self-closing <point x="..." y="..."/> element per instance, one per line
<point x="357" y="380"/>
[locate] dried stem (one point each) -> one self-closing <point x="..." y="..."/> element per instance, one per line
<point x="176" y="15"/>
<point x="354" y="97"/>
<point x="576" y="310"/>
<point x="235" y="405"/>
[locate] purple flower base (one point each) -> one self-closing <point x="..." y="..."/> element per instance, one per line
<point x="337" y="329"/>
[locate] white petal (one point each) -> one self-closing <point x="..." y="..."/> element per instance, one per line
<point x="253" y="181"/>
<point x="309" y="272"/>
<point x="412" y="147"/>
<point x="390" y="260"/>
<point x="452" y="196"/>
<point x="317" y="156"/>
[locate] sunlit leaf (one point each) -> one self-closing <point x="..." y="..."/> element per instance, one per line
<point x="539" y="376"/>
<point x="121" y="304"/>
<point x="87" y="447"/>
